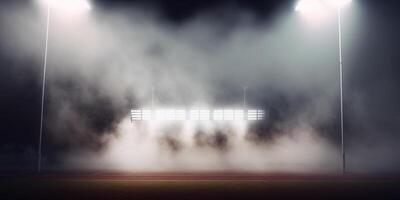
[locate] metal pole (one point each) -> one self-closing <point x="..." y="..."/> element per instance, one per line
<point x="244" y="97"/>
<point x="341" y="91"/>
<point x="244" y="102"/>
<point x="43" y="92"/>
<point x="152" y="98"/>
<point x="152" y="104"/>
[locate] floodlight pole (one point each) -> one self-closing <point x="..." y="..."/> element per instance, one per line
<point x="152" y="103"/>
<point x="244" y="97"/>
<point x="244" y="101"/>
<point x="341" y="90"/>
<point x="152" y="97"/>
<point x="43" y="92"/>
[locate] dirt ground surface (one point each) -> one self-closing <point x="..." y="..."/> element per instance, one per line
<point x="204" y="186"/>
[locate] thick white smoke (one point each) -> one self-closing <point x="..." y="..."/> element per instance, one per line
<point x="103" y="63"/>
<point x="141" y="148"/>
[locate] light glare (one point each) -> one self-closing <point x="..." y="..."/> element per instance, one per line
<point x="308" y="6"/>
<point x="318" y="6"/>
<point x="337" y="3"/>
<point x="68" y="5"/>
<point x="196" y="115"/>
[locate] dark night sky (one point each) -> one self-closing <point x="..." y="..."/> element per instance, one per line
<point x="372" y="79"/>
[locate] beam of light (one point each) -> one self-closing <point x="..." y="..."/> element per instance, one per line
<point x="316" y="11"/>
<point x="338" y="4"/>
<point x="319" y="6"/>
<point x="313" y="10"/>
<point x="309" y="6"/>
<point x="196" y="115"/>
<point x="68" y="5"/>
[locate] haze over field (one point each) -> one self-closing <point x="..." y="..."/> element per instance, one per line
<point x="105" y="62"/>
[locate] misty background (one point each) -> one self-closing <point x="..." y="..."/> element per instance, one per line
<point x="105" y="62"/>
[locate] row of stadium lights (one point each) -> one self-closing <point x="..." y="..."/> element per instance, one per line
<point x="196" y="115"/>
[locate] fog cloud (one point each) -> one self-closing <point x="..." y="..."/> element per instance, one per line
<point x="103" y="63"/>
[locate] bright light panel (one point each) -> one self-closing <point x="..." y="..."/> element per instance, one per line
<point x="136" y="115"/>
<point x="239" y="115"/>
<point x="180" y="115"/>
<point x="146" y="115"/>
<point x="169" y="114"/>
<point x="228" y="115"/>
<point x="160" y="115"/>
<point x="218" y="115"/>
<point x="204" y="115"/>
<point x="196" y="115"/>
<point x="253" y="115"/>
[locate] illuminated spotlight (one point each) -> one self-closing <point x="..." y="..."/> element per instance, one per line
<point x="159" y="115"/>
<point x="169" y="114"/>
<point x="218" y="115"/>
<point x="239" y="115"/>
<point x="318" y="6"/>
<point x="253" y="115"/>
<point x="228" y="115"/>
<point x="68" y="5"/>
<point x="194" y="115"/>
<point x="180" y="115"/>
<point x="308" y="6"/>
<point x="337" y="3"/>
<point x="204" y="115"/>
<point x="136" y="115"/>
<point x="146" y="115"/>
<point x="197" y="115"/>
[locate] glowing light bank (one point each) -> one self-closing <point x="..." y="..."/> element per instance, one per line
<point x="197" y="115"/>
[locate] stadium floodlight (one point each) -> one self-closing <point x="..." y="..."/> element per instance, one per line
<point x="338" y="4"/>
<point x="60" y="5"/>
<point x="169" y="114"/>
<point x="307" y="6"/>
<point x="180" y="115"/>
<point x="228" y="115"/>
<point x="312" y="6"/>
<point x="253" y="115"/>
<point x="239" y="115"/>
<point x="146" y="115"/>
<point x="159" y="115"/>
<point x="204" y="115"/>
<point x="68" y="5"/>
<point x="218" y="115"/>
<point x="196" y="115"/>
<point x="136" y="115"/>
